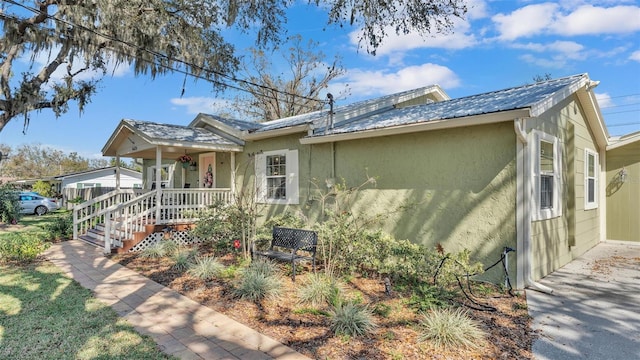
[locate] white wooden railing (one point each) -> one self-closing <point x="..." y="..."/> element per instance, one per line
<point x="123" y="213"/>
<point x="90" y="213"/>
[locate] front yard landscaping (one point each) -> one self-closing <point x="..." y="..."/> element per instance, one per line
<point x="400" y="331"/>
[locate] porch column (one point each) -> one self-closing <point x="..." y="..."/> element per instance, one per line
<point x="117" y="171"/>
<point x="158" y="182"/>
<point x="232" y="155"/>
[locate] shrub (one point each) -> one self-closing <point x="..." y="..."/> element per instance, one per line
<point x="352" y="319"/>
<point x="21" y="247"/>
<point x="43" y="188"/>
<point x="9" y="205"/>
<point x="319" y="290"/>
<point x="61" y="227"/>
<point x="219" y="225"/>
<point x="206" y="267"/>
<point x="427" y="297"/>
<point x="259" y="281"/>
<point x="451" y="328"/>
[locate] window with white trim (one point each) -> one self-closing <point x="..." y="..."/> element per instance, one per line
<point x="591" y="170"/>
<point x="547" y="176"/>
<point x="277" y="177"/>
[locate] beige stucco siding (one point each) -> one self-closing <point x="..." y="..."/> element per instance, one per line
<point x="623" y="198"/>
<point x="458" y="185"/>
<point x="558" y="240"/>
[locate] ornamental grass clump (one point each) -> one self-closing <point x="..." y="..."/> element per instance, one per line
<point x="352" y="319"/>
<point x="183" y="258"/>
<point x="160" y="249"/>
<point x="319" y="290"/>
<point x="206" y="268"/>
<point x="259" y="281"/>
<point x="451" y="328"/>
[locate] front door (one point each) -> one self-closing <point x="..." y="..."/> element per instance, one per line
<point x="207" y="170"/>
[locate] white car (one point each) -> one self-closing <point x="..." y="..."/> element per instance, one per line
<point x="34" y="203"/>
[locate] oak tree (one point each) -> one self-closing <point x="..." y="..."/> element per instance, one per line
<point x="68" y="45"/>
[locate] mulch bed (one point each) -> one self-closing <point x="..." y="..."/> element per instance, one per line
<point x="509" y="335"/>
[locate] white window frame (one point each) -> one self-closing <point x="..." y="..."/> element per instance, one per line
<point x="589" y="205"/>
<point x="555" y="210"/>
<point x="291" y="177"/>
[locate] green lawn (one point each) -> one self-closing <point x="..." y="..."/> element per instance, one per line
<point x="46" y="315"/>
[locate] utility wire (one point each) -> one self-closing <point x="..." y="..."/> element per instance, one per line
<point x="160" y="55"/>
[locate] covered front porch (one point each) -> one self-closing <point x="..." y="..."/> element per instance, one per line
<point x="185" y="169"/>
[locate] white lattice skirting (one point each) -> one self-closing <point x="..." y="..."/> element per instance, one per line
<point x="179" y="237"/>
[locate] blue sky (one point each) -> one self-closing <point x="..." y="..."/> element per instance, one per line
<point x="499" y="44"/>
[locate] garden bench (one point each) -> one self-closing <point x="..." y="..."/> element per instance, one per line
<point x="286" y="244"/>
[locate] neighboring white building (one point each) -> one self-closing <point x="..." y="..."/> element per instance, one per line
<point x="96" y="178"/>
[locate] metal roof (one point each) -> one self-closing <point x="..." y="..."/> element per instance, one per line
<point x="318" y="119"/>
<point x="156" y="132"/>
<point x="526" y="96"/>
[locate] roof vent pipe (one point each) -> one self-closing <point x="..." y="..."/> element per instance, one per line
<point x="330" y="120"/>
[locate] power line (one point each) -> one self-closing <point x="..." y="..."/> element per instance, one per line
<point x="160" y="55"/>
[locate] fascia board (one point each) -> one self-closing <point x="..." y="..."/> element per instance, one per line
<point x="423" y="126"/>
<point x="276" y="133"/>
<point x="594" y="116"/>
<point x="216" y="124"/>
<point x="623" y="142"/>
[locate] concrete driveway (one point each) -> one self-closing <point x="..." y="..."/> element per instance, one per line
<point x="594" y="311"/>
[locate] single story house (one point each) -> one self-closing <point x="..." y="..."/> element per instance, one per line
<point x="102" y="177"/>
<point x="523" y="167"/>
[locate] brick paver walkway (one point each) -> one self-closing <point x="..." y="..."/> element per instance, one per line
<point x="180" y="326"/>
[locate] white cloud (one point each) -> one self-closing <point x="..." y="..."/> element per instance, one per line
<point x="567" y="49"/>
<point x="590" y="19"/>
<point x="527" y="21"/>
<point x="395" y="45"/>
<point x="635" y="56"/>
<point x="207" y="105"/>
<point x="370" y="82"/>
<point x="604" y="100"/>
<point x="549" y="18"/>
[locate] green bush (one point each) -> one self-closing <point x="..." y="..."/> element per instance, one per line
<point x="451" y="328"/>
<point x="206" y="267"/>
<point x="220" y="225"/>
<point x="61" y="227"/>
<point x="43" y="188"/>
<point x="9" y="205"/>
<point x="352" y="319"/>
<point x="22" y="247"/>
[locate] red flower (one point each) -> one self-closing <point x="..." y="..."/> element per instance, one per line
<point x="236" y="244"/>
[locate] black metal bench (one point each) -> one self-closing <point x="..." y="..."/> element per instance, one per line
<point x="293" y="240"/>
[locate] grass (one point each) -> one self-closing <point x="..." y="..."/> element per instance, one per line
<point x="452" y="328"/>
<point x="45" y="315"/>
<point x="33" y="223"/>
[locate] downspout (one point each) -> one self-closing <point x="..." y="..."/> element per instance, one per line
<point x="523" y="212"/>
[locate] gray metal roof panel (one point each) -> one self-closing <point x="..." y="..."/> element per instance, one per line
<point x="168" y="132"/>
<point x="319" y="118"/>
<point x="503" y="100"/>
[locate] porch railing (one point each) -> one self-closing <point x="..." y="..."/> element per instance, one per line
<point x="90" y="213"/>
<point x="125" y="212"/>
